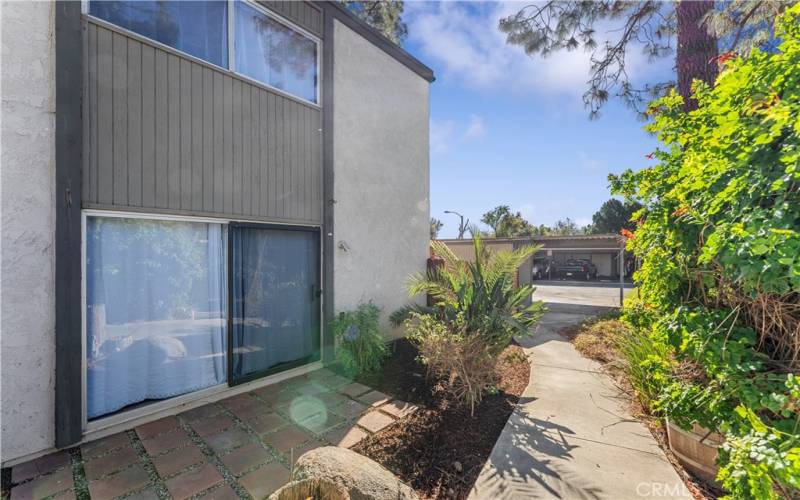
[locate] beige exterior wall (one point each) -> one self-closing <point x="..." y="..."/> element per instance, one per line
<point x="27" y="287"/>
<point x="381" y="214"/>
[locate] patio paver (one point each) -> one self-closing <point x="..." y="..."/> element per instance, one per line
<point x="193" y="482"/>
<point x="270" y="422"/>
<point x="346" y="436"/>
<point x="39" y="466"/>
<point x="120" y="483"/>
<point x="350" y="409"/>
<point x="399" y="409"/>
<point x="375" y="421"/>
<point x="263" y="481"/>
<point x="145" y="494"/>
<point x="222" y="492"/>
<point x="97" y="467"/>
<point x="44" y="486"/>
<point x="246" y="458"/>
<point x="165" y="442"/>
<point x="373" y="398"/>
<point x="355" y="389"/>
<point x="289" y="438"/>
<point x="229" y="439"/>
<point x="212" y="425"/>
<point x="178" y="460"/>
<point x="252" y="438"/>
<point x="160" y="426"/>
<point x="201" y="412"/>
<point x="104" y="445"/>
<point x="321" y="422"/>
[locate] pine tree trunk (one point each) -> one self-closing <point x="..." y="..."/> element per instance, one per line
<point x="697" y="50"/>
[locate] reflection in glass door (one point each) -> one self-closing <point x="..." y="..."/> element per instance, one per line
<point x="274" y="297"/>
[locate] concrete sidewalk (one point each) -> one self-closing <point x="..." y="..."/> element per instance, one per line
<point x="571" y="435"/>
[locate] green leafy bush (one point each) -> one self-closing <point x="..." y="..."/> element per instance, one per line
<point x="719" y="283"/>
<point x="360" y="346"/>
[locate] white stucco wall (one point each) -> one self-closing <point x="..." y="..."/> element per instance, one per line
<point x="381" y="181"/>
<point x="27" y="227"/>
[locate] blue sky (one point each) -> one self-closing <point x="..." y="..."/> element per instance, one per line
<point x="510" y="129"/>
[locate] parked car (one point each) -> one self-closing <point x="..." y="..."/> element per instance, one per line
<point x="577" y="268"/>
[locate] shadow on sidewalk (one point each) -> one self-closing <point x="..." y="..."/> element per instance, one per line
<point x="532" y="460"/>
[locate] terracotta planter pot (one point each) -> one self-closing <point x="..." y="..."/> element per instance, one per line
<point x="696" y="450"/>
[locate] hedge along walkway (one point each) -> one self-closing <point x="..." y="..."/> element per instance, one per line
<point x="571" y="435"/>
<point x="240" y="447"/>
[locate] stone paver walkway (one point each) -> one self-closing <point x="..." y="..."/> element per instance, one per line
<point x="240" y="447"/>
<point x="571" y="436"/>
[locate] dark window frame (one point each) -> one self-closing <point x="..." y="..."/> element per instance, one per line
<point x="231" y="36"/>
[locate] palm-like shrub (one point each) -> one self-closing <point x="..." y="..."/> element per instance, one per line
<point x="477" y="310"/>
<point x="481" y="293"/>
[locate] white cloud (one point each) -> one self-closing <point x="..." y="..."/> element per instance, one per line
<point x="444" y="132"/>
<point x="461" y="40"/>
<point x="475" y="128"/>
<point x="441" y="133"/>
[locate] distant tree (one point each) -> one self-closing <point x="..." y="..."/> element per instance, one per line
<point x="436" y="226"/>
<point x="385" y="16"/>
<point x="701" y="28"/>
<point x="493" y="217"/>
<point x="565" y="227"/>
<point x="614" y="216"/>
<point x="513" y="225"/>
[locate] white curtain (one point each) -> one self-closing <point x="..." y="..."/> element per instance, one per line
<point x="156" y="312"/>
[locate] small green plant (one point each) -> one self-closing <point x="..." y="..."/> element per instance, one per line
<point x="360" y="346"/>
<point x="646" y="364"/>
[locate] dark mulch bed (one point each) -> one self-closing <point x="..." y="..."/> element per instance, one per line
<point x="440" y="449"/>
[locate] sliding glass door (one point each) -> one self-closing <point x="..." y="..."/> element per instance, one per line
<point x="176" y="306"/>
<point x="274" y="297"/>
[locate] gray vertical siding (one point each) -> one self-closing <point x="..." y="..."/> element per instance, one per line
<point x="304" y="14"/>
<point x="167" y="133"/>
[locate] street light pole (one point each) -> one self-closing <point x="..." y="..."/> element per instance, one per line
<point x="462" y="228"/>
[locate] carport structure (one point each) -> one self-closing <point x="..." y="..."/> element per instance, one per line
<point x="606" y="251"/>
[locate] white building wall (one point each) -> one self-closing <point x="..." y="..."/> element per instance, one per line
<point x="27" y="227"/>
<point x="381" y="181"/>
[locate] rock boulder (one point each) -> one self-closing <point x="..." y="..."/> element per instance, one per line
<point x="357" y="475"/>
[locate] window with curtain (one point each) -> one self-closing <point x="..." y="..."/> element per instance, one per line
<point x="197" y="28"/>
<point x="273" y="53"/>
<point x="156" y="311"/>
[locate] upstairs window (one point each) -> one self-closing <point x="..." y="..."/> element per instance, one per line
<point x="198" y="28"/>
<point x="275" y="54"/>
<point x="261" y="47"/>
